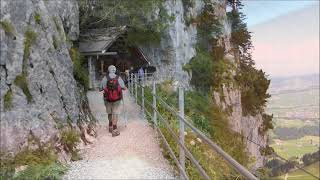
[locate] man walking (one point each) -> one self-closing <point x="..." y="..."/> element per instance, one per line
<point x="112" y="86"/>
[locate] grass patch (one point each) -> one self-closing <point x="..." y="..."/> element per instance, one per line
<point x="80" y="73"/>
<point x="70" y="139"/>
<point x="7" y="100"/>
<point x="37" y="18"/>
<point x="22" y="83"/>
<point x="7" y="27"/>
<point x="40" y="157"/>
<point x="52" y="171"/>
<point x="29" y="40"/>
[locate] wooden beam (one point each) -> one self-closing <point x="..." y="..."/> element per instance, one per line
<point x="100" y="54"/>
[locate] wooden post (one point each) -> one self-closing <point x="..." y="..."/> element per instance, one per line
<point x="102" y="64"/>
<point x="181" y="128"/>
<point x="154" y="102"/>
<point x="129" y="83"/>
<point x="136" y="86"/>
<point x="142" y="96"/>
<point x="132" y="79"/>
<point x="145" y="75"/>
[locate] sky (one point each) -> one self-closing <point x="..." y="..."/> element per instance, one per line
<point x="285" y="35"/>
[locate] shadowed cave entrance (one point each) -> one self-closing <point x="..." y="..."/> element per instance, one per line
<point x="108" y="46"/>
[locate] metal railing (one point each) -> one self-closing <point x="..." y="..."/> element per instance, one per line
<point x="133" y="83"/>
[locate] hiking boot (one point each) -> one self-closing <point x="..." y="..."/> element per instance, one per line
<point x="115" y="132"/>
<point x="110" y="129"/>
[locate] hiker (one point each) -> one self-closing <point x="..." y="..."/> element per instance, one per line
<point x="112" y="86"/>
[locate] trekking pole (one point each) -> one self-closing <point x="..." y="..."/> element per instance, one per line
<point x="124" y="113"/>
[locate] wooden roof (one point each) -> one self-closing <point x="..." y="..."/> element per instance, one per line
<point x="98" y="40"/>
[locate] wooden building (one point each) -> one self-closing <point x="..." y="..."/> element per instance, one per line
<point x="105" y="47"/>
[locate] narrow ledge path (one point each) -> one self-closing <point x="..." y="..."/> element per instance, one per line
<point x="135" y="154"/>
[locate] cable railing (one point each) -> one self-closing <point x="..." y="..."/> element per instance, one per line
<point x="136" y="82"/>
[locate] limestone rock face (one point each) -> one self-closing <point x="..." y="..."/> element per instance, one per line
<point x="178" y="47"/>
<point x="56" y="99"/>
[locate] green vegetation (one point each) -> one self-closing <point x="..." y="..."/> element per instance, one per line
<point x="7" y="27"/>
<point x="145" y="26"/>
<point x="70" y="139"/>
<point x="299" y="174"/>
<point x="29" y="40"/>
<point x="267" y="123"/>
<point x="39" y="161"/>
<point x="285" y="133"/>
<point x="37" y="18"/>
<point x="7" y="100"/>
<point x="297" y="147"/>
<point x="310" y="158"/>
<point x="79" y="72"/>
<point x="29" y="156"/>
<point x="22" y="82"/>
<point x="52" y="171"/>
<point x="254" y="88"/>
<point x="252" y="82"/>
<point x="209" y="118"/>
<point x="208" y="72"/>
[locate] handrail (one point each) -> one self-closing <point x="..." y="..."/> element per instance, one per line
<point x="169" y="148"/>
<point x="237" y="166"/>
<point x="242" y="170"/>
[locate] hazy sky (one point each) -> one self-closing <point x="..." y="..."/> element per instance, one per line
<point x="285" y="36"/>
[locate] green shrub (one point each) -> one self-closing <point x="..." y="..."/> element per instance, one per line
<point x="70" y="139"/>
<point x="22" y="82"/>
<point x="37" y="18"/>
<point x="52" y="171"/>
<point x="207" y="71"/>
<point x="7" y="27"/>
<point x="29" y="39"/>
<point x="41" y="155"/>
<point x="80" y="73"/>
<point x="7" y="167"/>
<point x="7" y="100"/>
<point x="254" y="86"/>
<point x="266" y="124"/>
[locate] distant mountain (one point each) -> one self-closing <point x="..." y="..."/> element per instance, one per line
<point x="294" y="83"/>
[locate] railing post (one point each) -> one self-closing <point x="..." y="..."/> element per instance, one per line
<point x="181" y="128"/>
<point x="145" y="75"/>
<point x="136" y="87"/>
<point x="154" y="102"/>
<point x="131" y="83"/>
<point x="142" y="96"/>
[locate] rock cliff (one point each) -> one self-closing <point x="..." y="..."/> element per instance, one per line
<point x="178" y="47"/>
<point x="39" y="95"/>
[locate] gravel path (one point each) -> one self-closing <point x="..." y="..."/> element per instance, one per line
<point x="135" y="154"/>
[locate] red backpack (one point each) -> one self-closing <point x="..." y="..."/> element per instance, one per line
<point x="113" y="90"/>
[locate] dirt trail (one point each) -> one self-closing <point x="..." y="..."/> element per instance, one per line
<point x="135" y="154"/>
